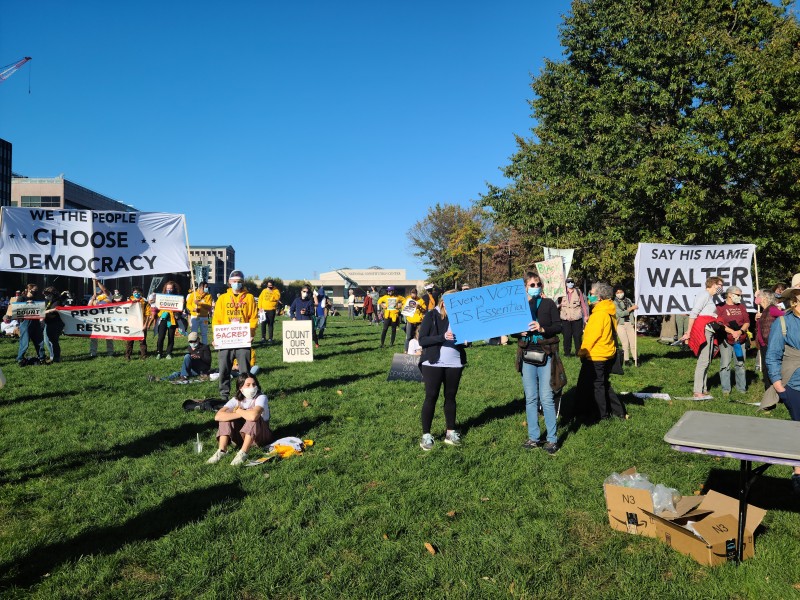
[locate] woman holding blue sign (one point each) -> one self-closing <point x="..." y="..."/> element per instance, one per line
<point x="442" y="362"/>
<point x="537" y="356"/>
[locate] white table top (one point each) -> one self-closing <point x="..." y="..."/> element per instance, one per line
<point x="734" y="433"/>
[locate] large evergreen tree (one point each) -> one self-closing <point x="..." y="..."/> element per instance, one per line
<point x="667" y="121"/>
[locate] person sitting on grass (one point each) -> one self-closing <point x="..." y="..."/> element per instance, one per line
<point x="244" y="419"/>
<point x="196" y="362"/>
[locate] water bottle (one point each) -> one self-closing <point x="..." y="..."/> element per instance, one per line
<point x="198" y="445"/>
<point x="737" y="350"/>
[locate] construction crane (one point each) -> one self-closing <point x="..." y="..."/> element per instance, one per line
<point x="9" y="70"/>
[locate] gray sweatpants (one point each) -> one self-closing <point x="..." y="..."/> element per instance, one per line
<point x="703" y="360"/>
<point x="242" y="356"/>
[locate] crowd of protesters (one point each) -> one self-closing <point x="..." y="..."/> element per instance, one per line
<point x="599" y="328"/>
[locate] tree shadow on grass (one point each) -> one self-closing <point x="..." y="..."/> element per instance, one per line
<point x="165" y="438"/>
<point x="492" y="413"/>
<point x="151" y="524"/>
<point x="330" y="382"/>
<point x="301" y="427"/>
<point x="43" y="396"/>
<point x="767" y="492"/>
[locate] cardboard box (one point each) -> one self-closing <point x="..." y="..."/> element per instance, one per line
<point x="631" y="509"/>
<point x="715" y="521"/>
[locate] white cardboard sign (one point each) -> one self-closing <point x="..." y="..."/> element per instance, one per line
<point x="233" y="335"/>
<point x="298" y="343"/>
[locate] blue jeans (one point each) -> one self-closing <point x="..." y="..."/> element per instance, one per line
<point x="726" y="357"/>
<point x="186" y="367"/>
<point x="30" y="331"/>
<point x="536" y="383"/>
<point x="321" y="321"/>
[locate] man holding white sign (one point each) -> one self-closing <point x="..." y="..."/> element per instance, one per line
<point x="235" y="320"/>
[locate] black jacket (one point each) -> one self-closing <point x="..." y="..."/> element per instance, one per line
<point x="431" y="337"/>
<point x="201" y="356"/>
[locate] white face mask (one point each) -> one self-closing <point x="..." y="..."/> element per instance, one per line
<point x="250" y="392"/>
<point x="736" y="299"/>
<point x="620" y="296"/>
<point x="193" y="345"/>
<point x="570" y="285"/>
<point x="303" y="294"/>
<point x="236" y="286"/>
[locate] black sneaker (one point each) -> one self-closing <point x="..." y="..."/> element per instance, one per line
<point x="796" y="484"/>
<point x="551" y="448"/>
<point x="532" y="444"/>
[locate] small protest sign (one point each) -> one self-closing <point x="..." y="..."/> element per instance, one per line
<point x="489" y="311"/>
<point x="27" y="310"/>
<point x="170" y="302"/>
<point x="232" y="335"/>
<point x="298" y="345"/>
<point x="405" y="367"/>
<point x="410" y="308"/>
<point x="551" y="272"/>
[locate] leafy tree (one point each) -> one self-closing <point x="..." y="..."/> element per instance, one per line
<point x="669" y="121"/>
<point x="277" y="281"/>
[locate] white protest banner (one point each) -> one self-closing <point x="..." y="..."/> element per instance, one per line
<point x="566" y="255"/>
<point x="489" y="311"/>
<point x="551" y="272"/>
<point x="669" y="277"/>
<point x="27" y="310"/>
<point x="297" y="341"/>
<point x="232" y="335"/>
<point x="170" y="302"/>
<point x="118" y="321"/>
<point x="88" y="243"/>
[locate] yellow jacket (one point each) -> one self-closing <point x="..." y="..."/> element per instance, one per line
<point x="598" y="336"/>
<point x="418" y="313"/>
<point x="198" y="305"/>
<point x="232" y="308"/>
<point x="392" y="306"/>
<point x="268" y="299"/>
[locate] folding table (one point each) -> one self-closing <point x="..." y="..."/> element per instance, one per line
<point x="748" y="439"/>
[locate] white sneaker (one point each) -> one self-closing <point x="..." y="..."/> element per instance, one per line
<point x="452" y="438"/>
<point x="216" y="457"/>
<point x="239" y="458"/>
<point x="426" y="443"/>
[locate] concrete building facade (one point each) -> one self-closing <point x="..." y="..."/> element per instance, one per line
<point x="362" y="279"/>
<point x="220" y="260"/>
<point x="5" y="173"/>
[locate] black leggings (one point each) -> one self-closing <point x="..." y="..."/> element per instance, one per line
<point x="434" y="377"/>
<point x="573" y="331"/>
<point x="386" y="324"/>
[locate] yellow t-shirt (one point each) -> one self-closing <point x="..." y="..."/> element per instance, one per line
<point x="268" y="299"/>
<point x="419" y="311"/>
<point x="391" y="306"/>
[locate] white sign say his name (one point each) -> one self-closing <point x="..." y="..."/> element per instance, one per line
<point x="170" y="302"/>
<point x="233" y="335"/>
<point x="298" y="344"/>
<point x="669" y="277"/>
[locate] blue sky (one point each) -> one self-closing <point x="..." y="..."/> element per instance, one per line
<point x="308" y="135"/>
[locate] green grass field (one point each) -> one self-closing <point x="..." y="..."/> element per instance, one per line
<point x="102" y="495"/>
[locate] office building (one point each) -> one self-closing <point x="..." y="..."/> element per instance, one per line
<point x="5" y="173"/>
